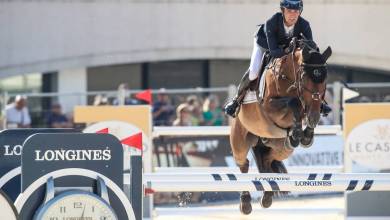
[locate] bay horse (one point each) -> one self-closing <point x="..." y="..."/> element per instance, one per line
<point x="295" y="87"/>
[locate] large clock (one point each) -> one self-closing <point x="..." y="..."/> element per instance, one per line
<point x="100" y="200"/>
<point x="8" y="210"/>
<point x="76" y="204"/>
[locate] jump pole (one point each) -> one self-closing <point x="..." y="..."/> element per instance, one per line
<point x="152" y="177"/>
<point x="272" y="185"/>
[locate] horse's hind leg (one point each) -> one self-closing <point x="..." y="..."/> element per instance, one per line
<point x="240" y="144"/>
<point x="269" y="160"/>
<point x="264" y="159"/>
<point x="245" y="196"/>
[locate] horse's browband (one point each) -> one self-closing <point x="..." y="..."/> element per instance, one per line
<point x="314" y="65"/>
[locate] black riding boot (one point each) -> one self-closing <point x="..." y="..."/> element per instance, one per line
<point x="231" y="107"/>
<point x="325" y="109"/>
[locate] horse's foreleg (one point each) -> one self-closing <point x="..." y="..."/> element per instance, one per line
<point x="297" y="133"/>
<point x="240" y="149"/>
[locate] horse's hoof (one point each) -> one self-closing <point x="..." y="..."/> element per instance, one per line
<point x="245" y="208"/>
<point x="297" y="134"/>
<point x="245" y="203"/>
<point x="266" y="200"/>
<point x="308" y="137"/>
<point x="293" y="142"/>
<point x="307" y="142"/>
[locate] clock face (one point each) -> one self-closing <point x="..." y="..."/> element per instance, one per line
<point x="76" y="205"/>
<point x="8" y="210"/>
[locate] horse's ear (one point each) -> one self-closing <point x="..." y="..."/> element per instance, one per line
<point x="306" y="54"/>
<point x="327" y="53"/>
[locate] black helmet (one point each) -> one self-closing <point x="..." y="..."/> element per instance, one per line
<point x="292" y="4"/>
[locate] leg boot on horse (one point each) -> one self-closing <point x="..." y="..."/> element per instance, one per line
<point x="245" y="196"/>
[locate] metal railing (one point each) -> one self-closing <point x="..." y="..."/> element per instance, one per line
<point x="39" y="103"/>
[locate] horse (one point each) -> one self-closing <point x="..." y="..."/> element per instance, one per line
<point x="295" y="87"/>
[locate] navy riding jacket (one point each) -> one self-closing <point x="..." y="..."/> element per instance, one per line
<point x="271" y="35"/>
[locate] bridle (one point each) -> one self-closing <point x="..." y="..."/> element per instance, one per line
<point x="301" y="87"/>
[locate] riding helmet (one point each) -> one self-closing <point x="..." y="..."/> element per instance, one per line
<point x="292" y="4"/>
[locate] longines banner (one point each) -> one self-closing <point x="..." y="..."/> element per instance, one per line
<point x="45" y="154"/>
<point x="367" y="133"/>
<point x="11" y="142"/>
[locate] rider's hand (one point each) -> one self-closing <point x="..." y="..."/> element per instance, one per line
<point x="291" y="46"/>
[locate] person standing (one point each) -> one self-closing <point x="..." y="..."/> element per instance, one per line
<point x="17" y="114"/>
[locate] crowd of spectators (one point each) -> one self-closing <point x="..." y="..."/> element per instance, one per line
<point x="173" y="109"/>
<point x="193" y="111"/>
<point x="168" y="109"/>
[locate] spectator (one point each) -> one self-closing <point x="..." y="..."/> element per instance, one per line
<point x="365" y="99"/>
<point x="387" y="98"/>
<point x="100" y="100"/>
<point x="124" y="97"/>
<point x="195" y="109"/>
<point x="212" y="113"/>
<point x="162" y="110"/>
<point x="56" y="119"/>
<point x="17" y="114"/>
<point x="183" y="116"/>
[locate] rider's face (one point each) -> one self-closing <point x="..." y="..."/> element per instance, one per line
<point x="290" y="16"/>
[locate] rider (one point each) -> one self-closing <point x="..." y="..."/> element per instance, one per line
<point x="274" y="37"/>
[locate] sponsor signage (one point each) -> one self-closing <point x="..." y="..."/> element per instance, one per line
<point x="368" y="144"/>
<point x="327" y="150"/>
<point x="43" y="154"/>
<point x="313" y="183"/>
<point x="11" y="142"/>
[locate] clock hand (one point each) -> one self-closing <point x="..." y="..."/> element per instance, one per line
<point x="82" y="214"/>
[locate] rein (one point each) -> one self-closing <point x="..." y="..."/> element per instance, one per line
<point x="298" y="84"/>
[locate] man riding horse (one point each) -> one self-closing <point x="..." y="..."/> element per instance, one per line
<point x="294" y="85"/>
<point x="274" y="37"/>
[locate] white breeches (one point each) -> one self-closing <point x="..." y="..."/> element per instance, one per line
<point x="256" y="59"/>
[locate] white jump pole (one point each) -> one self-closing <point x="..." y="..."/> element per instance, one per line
<point x="262" y="185"/>
<point x="262" y="176"/>
<point x="252" y="169"/>
<point x="196" y="211"/>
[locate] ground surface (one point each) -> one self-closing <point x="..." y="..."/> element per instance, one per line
<point x="333" y="205"/>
